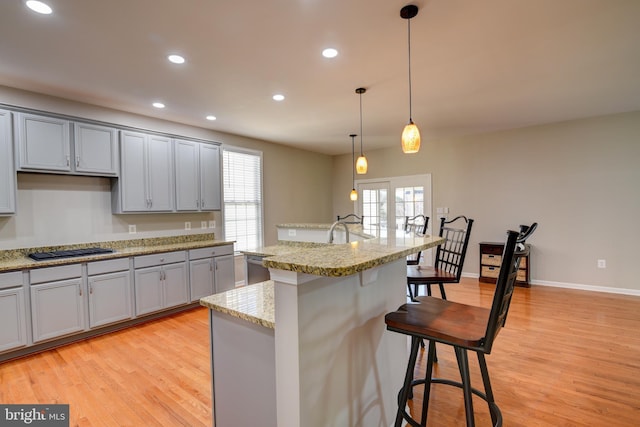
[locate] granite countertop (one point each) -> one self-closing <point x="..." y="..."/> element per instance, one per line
<point x="17" y="259"/>
<point x="253" y="303"/>
<point x="339" y="260"/>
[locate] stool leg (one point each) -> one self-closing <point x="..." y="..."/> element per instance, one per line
<point x="427" y="381"/>
<point x="441" y="286"/>
<point x="413" y="298"/>
<point x="487" y="386"/>
<point x="463" y="365"/>
<point x="408" y="378"/>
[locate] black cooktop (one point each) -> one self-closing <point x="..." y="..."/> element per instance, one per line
<point x="43" y="256"/>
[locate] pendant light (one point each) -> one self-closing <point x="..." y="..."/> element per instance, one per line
<point x="354" y="194"/>
<point x="361" y="164"/>
<point x="410" y="134"/>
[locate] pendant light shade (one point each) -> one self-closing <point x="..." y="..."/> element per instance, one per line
<point x="410" y="134"/>
<point x="410" y="138"/>
<point x="354" y="194"/>
<point x="361" y="164"/>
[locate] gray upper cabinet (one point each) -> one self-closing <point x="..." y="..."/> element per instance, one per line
<point x="7" y="170"/>
<point x="210" y="177"/>
<point x="47" y="144"/>
<point x="146" y="176"/>
<point x="197" y="169"/>
<point x="43" y="143"/>
<point x="96" y="149"/>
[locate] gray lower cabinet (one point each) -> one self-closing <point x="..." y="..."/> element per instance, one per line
<point x="109" y="292"/>
<point x="161" y="281"/>
<point x="211" y="270"/>
<point x="13" y="333"/>
<point x="7" y="170"/>
<point x="57" y="306"/>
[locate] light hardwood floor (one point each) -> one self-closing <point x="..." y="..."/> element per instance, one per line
<point x="565" y="358"/>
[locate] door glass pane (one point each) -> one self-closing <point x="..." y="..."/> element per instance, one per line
<point x="374" y="209"/>
<point x="409" y="202"/>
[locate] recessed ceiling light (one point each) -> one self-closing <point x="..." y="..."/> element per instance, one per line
<point x="330" y="53"/>
<point x="212" y="118"/>
<point x="158" y="104"/>
<point x="38" y="6"/>
<point x="176" y="59"/>
<point x="278" y="97"/>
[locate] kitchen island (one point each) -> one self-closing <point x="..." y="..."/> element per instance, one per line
<point x="329" y="360"/>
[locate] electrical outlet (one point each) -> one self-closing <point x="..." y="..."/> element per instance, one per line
<point x="203" y="224"/>
<point x="602" y="263"/>
<point x="132" y="229"/>
<point x="187" y="225"/>
<point x="212" y="224"/>
<point x="292" y="233"/>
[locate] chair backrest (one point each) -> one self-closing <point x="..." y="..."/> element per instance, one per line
<point x="514" y="251"/>
<point x="450" y="255"/>
<point x="417" y="224"/>
<point x="352" y="219"/>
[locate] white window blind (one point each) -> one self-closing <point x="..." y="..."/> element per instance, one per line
<point x="242" y="182"/>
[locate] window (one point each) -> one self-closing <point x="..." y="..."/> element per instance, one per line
<point x="242" y="187"/>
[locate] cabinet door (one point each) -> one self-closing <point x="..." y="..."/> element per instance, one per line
<point x="225" y="277"/>
<point x="43" y="142"/>
<point x="148" y="290"/>
<point x="7" y="171"/>
<point x="133" y="179"/>
<point x="187" y="175"/>
<point x="109" y="298"/>
<point x="201" y="278"/>
<point x="96" y="149"/>
<point x="210" y="177"/>
<point x="57" y="309"/>
<point x="13" y="332"/>
<point x="176" y="286"/>
<point x="160" y="174"/>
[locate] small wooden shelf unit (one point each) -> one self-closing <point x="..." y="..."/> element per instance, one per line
<point x="490" y="260"/>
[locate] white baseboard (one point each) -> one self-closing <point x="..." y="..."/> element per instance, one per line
<point x="577" y="286"/>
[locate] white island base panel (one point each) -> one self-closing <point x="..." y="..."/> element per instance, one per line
<point x="336" y="364"/>
<point x="244" y="376"/>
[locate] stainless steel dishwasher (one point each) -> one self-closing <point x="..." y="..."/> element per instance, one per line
<point x="255" y="272"/>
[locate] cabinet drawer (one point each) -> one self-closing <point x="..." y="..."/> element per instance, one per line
<point x="492" y="272"/>
<point x="10" y="280"/>
<point x="490" y="259"/>
<point x="494" y="249"/>
<point x="51" y="274"/>
<point x="211" y="252"/>
<point x="107" y="266"/>
<point x="159" y="259"/>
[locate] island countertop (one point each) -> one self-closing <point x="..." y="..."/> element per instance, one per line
<point x="339" y="260"/>
<point x="253" y="303"/>
<point x="17" y="259"/>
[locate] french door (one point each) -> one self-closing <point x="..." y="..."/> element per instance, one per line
<point x="384" y="203"/>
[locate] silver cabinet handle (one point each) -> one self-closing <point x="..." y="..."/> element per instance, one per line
<point x="80" y="290"/>
<point x="91" y="289"/>
<point x="77" y="161"/>
<point x="68" y="161"/>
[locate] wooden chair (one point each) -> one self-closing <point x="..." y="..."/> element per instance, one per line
<point x="449" y="258"/>
<point x="347" y="219"/>
<point x="461" y="326"/>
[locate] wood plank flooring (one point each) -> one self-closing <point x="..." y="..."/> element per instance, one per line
<point x="565" y="358"/>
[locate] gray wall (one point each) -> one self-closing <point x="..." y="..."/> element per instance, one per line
<point x="56" y="209"/>
<point x="579" y="180"/>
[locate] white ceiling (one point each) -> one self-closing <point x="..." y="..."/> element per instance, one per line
<point x="477" y="66"/>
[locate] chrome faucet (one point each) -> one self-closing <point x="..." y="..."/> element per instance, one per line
<point x="333" y="227"/>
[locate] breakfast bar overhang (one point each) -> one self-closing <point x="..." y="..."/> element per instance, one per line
<point x="329" y="360"/>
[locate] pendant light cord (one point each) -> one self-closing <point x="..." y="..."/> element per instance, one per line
<point x="361" y="125"/>
<point x="409" y="44"/>
<point x="353" y="161"/>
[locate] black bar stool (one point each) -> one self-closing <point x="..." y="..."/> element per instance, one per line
<point x="462" y="326"/>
